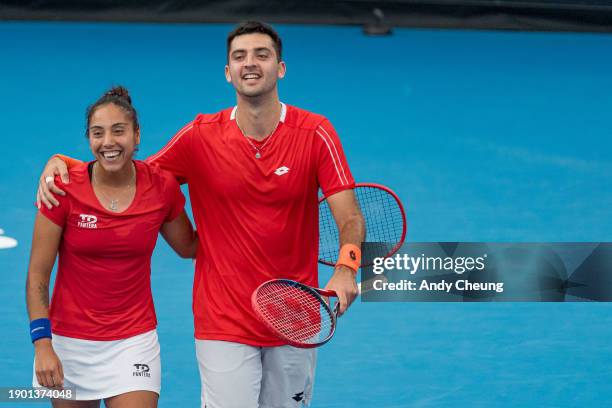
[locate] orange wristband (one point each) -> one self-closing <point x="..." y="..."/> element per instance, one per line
<point x="350" y="256"/>
<point x="70" y="162"/>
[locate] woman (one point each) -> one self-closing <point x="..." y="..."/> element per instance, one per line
<point x="102" y="316"/>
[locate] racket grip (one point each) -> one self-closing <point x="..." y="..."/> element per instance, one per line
<point x="328" y="293"/>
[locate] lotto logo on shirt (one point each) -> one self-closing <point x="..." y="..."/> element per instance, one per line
<point x="88" y="221"/>
<point x="281" y="170"/>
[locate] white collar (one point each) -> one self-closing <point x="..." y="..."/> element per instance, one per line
<point x="282" y="116"/>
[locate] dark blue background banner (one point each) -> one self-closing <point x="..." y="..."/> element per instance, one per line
<point x="376" y="17"/>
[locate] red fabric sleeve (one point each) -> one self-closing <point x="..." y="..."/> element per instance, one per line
<point x="173" y="196"/>
<point x="58" y="215"/>
<point x="174" y="157"/>
<point x="333" y="173"/>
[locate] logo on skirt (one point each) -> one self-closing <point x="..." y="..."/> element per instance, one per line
<point x="141" y="370"/>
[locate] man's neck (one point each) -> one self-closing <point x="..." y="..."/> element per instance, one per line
<point x="258" y="118"/>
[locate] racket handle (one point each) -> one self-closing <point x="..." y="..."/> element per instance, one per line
<point x="336" y="309"/>
<point x="328" y="293"/>
<point x="362" y="287"/>
<point x="366" y="286"/>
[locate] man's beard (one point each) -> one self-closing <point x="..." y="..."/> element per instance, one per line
<point x="255" y="93"/>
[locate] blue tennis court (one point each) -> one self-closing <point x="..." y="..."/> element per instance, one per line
<point x="485" y="136"/>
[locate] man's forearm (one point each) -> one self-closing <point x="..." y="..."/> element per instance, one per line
<point x="352" y="231"/>
<point x="70" y="162"/>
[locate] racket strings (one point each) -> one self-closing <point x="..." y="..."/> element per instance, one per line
<point x="328" y="234"/>
<point x="295" y="313"/>
<point x="383" y="217"/>
<point x="298" y="308"/>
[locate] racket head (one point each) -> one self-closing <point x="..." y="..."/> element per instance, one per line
<point x="294" y="312"/>
<point x="384" y="217"/>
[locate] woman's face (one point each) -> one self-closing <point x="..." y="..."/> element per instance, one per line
<point x="112" y="137"/>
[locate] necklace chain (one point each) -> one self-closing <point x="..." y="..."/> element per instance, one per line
<point x="114" y="203"/>
<point x="258" y="150"/>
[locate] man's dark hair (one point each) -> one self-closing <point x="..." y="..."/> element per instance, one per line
<point x="251" y="27"/>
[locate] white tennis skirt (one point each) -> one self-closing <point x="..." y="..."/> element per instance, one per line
<point x="103" y="369"/>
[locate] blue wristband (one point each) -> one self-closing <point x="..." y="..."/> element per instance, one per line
<point x="40" y="328"/>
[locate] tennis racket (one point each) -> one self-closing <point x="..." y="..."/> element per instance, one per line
<point x="297" y="313"/>
<point x="385" y="221"/>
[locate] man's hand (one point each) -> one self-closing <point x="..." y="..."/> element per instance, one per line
<point x="46" y="185"/>
<point x="344" y="284"/>
<point x="48" y="367"/>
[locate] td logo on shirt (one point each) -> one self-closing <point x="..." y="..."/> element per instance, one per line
<point x="88" y="221"/>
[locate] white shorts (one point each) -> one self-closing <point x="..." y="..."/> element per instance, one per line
<point x="235" y="375"/>
<point x="103" y="369"/>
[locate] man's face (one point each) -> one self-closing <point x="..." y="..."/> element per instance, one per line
<point x="253" y="68"/>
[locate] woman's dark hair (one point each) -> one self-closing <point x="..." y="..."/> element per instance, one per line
<point x="119" y="96"/>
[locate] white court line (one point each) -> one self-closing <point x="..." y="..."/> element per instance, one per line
<point x="7" y="242"/>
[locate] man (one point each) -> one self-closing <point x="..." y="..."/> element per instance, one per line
<point x="253" y="173"/>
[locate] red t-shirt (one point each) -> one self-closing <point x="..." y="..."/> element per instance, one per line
<point x="257" y="219"/>
<point x="103" y="286"/>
